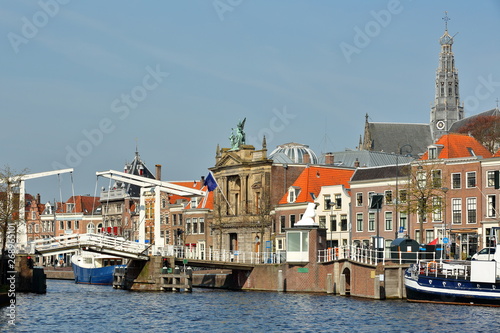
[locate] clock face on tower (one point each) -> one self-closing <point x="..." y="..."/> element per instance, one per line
<point x="440" y="125"/>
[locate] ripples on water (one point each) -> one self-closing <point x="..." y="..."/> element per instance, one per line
<point x="68" y="307"/>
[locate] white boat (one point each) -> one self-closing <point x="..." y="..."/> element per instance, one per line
<point x="475" y="282"/>
<point x="95" y="268"/>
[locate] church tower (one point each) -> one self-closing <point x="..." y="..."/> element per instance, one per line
<point x="447" y="108"/>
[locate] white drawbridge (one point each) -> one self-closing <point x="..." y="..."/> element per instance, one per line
<point x="116" y="246"/>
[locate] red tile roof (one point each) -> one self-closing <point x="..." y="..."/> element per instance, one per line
<point x="83" y="204"/>
<point x="314" y="177"/>
<point x="459" y="145"/>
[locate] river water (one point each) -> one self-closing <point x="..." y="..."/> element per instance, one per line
<point x="69" y="307"/>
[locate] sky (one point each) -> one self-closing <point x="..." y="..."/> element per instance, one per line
<point x="85" y="83"/>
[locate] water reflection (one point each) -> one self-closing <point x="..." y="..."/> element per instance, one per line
<point x="68" y="307"/>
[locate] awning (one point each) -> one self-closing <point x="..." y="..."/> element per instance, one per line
<point x="464" y="231"/>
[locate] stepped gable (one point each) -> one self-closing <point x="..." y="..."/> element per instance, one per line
<point x="459" y="145"/>
<point x="314" y="177"/>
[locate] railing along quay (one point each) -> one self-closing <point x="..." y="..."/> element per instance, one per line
<point x="372" y="256"/>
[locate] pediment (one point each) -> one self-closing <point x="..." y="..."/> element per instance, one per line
<point x="229" y="159"/>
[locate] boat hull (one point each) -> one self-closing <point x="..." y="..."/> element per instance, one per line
<point x="100" y="276"/>
<point x="435" y="289"/>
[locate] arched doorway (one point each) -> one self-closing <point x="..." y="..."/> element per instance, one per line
<point x="346" y="274"/>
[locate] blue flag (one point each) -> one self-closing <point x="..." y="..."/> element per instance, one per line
<point x="211" y="182"/>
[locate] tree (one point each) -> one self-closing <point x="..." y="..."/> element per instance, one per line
<point x="424" y="192"/>
<point x="485" y="129"/>
<point x="9" y="209"/>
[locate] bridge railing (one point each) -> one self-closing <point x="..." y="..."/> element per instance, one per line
<point x="372" y="256"/>
<point x="225" y="255"/>
<point x="83" y="240"/>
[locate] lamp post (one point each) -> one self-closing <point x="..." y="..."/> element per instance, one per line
<point x="445" y="190"/>
<point x="408" y="151"/>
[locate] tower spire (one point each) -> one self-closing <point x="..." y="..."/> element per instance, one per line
<point x="446" y="109"/>
<point x="446" y="19"/>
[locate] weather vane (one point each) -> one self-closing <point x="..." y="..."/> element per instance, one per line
<point x="446" y="19"/>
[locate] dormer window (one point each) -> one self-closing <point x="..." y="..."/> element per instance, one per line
<point x="293" y="193"/>
<point x="433" y="151"/>
<point x="70" y="207"/>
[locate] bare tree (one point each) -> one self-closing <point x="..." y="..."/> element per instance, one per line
<point x="424" y="192"/>
<point x="485" y="129"/>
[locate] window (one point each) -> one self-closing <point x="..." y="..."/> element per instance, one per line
<point x="77" y="225"/>
<point x="279" y="246"/>
<point x="456" y="181"/>
<point x="90" y="228"/>
<point x="322" y="221"/>
<point x="436" y="179"/>
<point x="388" y="197"/>
<point x="202" y="226"/>
<point x="292" y="221"/>
<point x="328" y="201"/>
<point x="402" y="196"/>
<point x="293" y="193"/>
<point x="282" y="223"/>
<point x="338" y="201"/>
<point x="188" y="226"/>
<point x="429" y="236"/>
<point x="471" y="179"/>
<point x="119" y="208"/>
<point x="491" y="177"/>
<point x="333" y="223"/>
<point x="195" y="225"/>
<point x="61" y="225"/>
<point x="471" y="210"/>
<point x="33" y="215"/>
<point x="457" y="210"/>
<point x="359" y="199"/>
<point x="421" y="181"/>
<point x="194" y="202"/>
<point x="180" y="219"/>
<point x="437" y="209"/>
<point x="174" y="219"/>
<point x="432" y="153"/>
<point x="343" y="222"/>
<point x="403" y="220"/>
<point x="417" y="235"/>
<point x="492" y="205"/>
<point x="388" y="221"/>
<point x="371" y="222"/>
<point x="359" y="222"/>
<point x="163" y="203"/>
<point x="70" y="207"/>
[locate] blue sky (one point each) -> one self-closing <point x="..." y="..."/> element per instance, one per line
<point x="83" y="82"/>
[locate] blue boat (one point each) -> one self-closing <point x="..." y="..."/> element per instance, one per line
<point x="475" y="282"/>
<point x="93" y="268"/>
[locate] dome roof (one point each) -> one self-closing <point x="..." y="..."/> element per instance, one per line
<point x="295" y="152"/>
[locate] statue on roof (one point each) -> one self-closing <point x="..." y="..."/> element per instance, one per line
<point x="237" y="138"/>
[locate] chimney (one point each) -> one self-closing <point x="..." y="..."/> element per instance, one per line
<point x="329" y="158"/>
<point x="202" y="181"/>
<point x="158" y="172"/>
<point x="306" y="159"/>
<point x="356" y="163"/>
<point x="38" y="198"/>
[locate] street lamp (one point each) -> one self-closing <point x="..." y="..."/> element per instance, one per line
<point x="408" y="151"/>
<point x="445" y="190"/>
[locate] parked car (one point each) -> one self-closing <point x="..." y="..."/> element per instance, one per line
<point x="485" y="254"/>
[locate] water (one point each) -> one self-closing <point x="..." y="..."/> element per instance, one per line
<point x="68" y="307"/>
